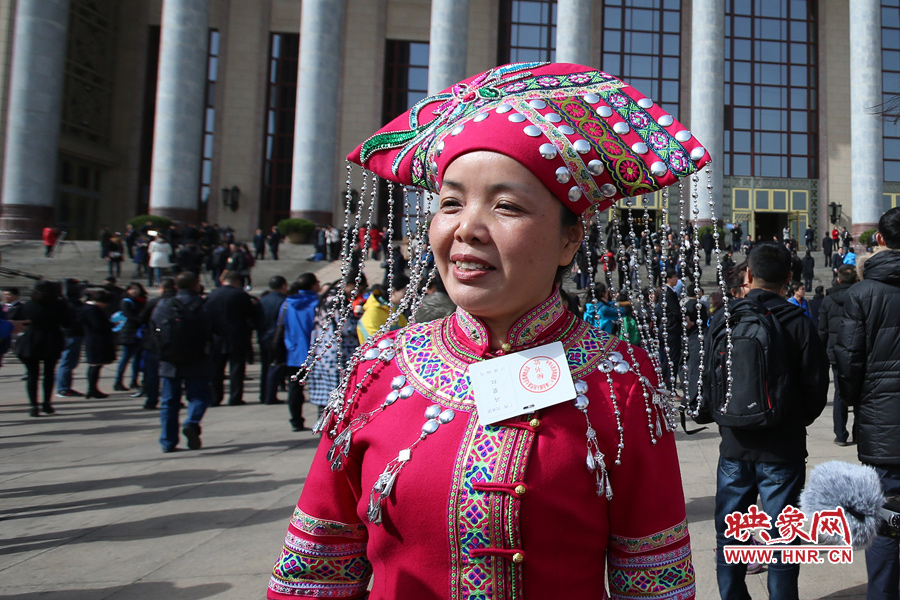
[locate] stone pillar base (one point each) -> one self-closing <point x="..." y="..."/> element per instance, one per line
<point x="177" y="215"/>
<point x="24" y="221"/>
<point x="319" y="217"/>
<point x="856" y="230"/>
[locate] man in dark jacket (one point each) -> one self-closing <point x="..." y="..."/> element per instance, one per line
<point x="837" y="259"/>
<point x="809" y="270"/>
<point x="193" y="376"/>
<point x="273" y="240"/>
<point x="771" y="461"/>
<point x="151" y="358"/>
<point x="234" y="318"/>
<point x="868" y="363"/>
<point x="670" y="337"/>
<point x="827" y="247"/>
<point x="269" y="304"/>
<point x="830" y="316"/>
<point x="74" y="335"/>
<point x="708" y="244"/>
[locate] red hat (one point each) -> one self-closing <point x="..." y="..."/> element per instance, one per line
<point x="588" y="136"/>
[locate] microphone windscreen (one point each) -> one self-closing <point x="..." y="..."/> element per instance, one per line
<point x="856" y="488"/>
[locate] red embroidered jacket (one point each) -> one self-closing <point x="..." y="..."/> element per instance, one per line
<point x="499" y="512"/>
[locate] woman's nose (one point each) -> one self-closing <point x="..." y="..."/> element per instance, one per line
<point x="472" y="227"/>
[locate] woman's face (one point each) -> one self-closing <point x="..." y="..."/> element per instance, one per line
<point x="497" y="236"/>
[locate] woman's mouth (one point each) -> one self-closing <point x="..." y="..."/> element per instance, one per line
<point x="471" y="266"/>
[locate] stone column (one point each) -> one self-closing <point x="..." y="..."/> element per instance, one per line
<point x="866" y="130"/>
<point x="573" y="31"/>
<point x="35" y="107"/>
<point x="180" y="97"/>
<point x="447" y="44"/>
<point x="708" y="95"/>
<point x="313" y="189"/>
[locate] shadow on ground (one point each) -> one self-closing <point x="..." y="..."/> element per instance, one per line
<point x="162" y="589"/>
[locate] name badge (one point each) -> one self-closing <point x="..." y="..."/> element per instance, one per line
<point x="521" y="383"/>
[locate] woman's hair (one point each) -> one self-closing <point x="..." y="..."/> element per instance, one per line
<point x="571" y="302"/>
<point x="599" y="289"/>
<point x="734" y="278"/>
<point x="102" y="296"/>
<point x="567" y="219"/>
<point x="45" y="292"/>
<point x="134" y="285"/>
<point x="796" y="286"/>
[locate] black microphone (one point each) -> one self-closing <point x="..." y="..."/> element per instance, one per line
<point x="857" y="489"/>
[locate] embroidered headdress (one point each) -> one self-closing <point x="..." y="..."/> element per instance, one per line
<point x="588" y="136"/>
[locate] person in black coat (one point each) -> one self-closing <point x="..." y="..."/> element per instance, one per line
<point x="830" y="316"/>
<point x="131" y="306"/>
<point x="270" y="305"/>
<point x="234" y="318"/>
<point x="273" y="240"/>
<point x="259" y="245"/>
<point x="74" y="338"/>
<point x="868" y="362"/>
<point x="837" y="259"/>
<point x="827" y="247"/>
<point x="707" y="242"/>
<point x="99" y="339"/>
<point x="150" y="389"/>
<point x="809" y="270"/>
<point x="42" y="342"/>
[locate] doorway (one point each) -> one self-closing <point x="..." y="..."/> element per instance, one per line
<point x="770" y="225"/>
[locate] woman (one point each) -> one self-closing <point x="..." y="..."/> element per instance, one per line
<point x="131" y="306"/>
<point x="160" y="252"/>
<point x="601" y="314"/>
<point x="43" y="342"/>
<point x="99" y="339"/>
<point x="433" y="498"/>
<point x="114" y="254"/>
<point x="798" y="298"/>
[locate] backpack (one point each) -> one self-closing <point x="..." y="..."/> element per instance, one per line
<point x="180" y="339"/>
<point x="118" y="320"/>
<point x="762" y="379"/>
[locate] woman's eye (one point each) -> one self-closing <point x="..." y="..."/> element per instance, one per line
<point x="449" y="203"/>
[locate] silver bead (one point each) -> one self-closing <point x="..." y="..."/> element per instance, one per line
<point x="532" y="131"/>
<point x="553" y="117"/>
<point x="437" y="150"/>
<point x="371" y="354"/>
<point x="698" y="153"/>
<point x="659" y="169"/>
<point x="665" y="120"/>
<point x="645" y="103"/>
<point x="581" y="386"/>
<point x="430" y="427"/>
<point x="604" y="111"/>
<point x="433" y="411"/>
<point x="566" y="130"/>
<point x="481" y="117"/>
<point x="591" y="98"/>
<point x="621" y="127"/>
<point x="563" y="175"/>
<point x="503" y="108"/>
<point x="516" y="118"/>
<point x="622" y="368"/>
<point x="605" y="366"/>
<point x="446" y="416"/>
<point x="683" y="135"/>
<point x="538" y="104"/>
<point x="616" y="356"/>
<point x="581" y="402"/>
<point x="398" y="382"/>
<point x="391" y="398"/>
<point x="548" y="151"/>
<point x="388" y="355"/>
<point x="595" y="167"/>
<point x="574" y="193"/>
<point x="458" y="129"/>
<point x="640" y="148"/>
<point x="581" y="146"/>
<point x="608" y="190"/>
<point x="407" y="391"/>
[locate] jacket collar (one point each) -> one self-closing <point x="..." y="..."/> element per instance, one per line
<point x="536" y="325"/>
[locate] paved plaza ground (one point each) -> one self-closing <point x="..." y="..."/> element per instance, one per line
<point x="91" y="509"/>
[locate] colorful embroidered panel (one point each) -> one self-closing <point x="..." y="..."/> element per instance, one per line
<point x="435" y="360"/>
<point x="321" y="570"/>
<point x="667" y="575"/>
<point x="650" y="542"/>
<point x="486" y="520"/>
<point x="321" y="527"/>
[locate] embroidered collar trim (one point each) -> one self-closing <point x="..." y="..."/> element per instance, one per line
<point x="531" y="327"/>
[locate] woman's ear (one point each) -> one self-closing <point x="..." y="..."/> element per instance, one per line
<point x="572" y="239"/>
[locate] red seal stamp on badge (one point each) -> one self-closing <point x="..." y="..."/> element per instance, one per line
<point x="539" y="374"/>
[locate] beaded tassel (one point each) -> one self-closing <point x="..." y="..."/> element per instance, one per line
<point x="595" y="458"/>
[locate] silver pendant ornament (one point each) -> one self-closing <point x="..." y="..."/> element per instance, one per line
<point x="595" y="458"/>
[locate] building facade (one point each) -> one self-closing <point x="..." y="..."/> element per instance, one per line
<point x="240" y="112"/>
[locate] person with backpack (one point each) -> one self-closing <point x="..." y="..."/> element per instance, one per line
<point x="182" y="335"/>
<point x="150" y="389"/>
<point x="780" y="384"/>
